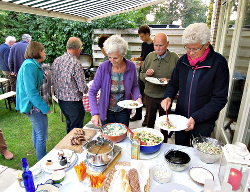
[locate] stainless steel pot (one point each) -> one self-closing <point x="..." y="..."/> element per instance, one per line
<point x="100" y="158"/>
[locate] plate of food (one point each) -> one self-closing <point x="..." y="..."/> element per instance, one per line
<point x="171" y="187"/>
<point x="155" y="80"/>
<point x="200" y="174"/>
<point x="177" y="122"/>
<point x="129" y="104"/>
<point x="63" y="159"/>
<point x="128" y="176"/>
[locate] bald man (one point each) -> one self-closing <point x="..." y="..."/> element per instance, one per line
<point x="160" y="64"/>
<point x="69" y="83"/>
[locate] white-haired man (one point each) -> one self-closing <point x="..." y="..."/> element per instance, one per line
<point x="4" y="55"/>
<point x="16" y="58"/>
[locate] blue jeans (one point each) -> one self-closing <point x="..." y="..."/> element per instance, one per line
<point x="117" y="117"/>
<point x="74" y="113"/>
<point x="39" y="132"/>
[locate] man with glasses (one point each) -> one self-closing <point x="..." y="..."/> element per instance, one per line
<point x="201" y="78"/>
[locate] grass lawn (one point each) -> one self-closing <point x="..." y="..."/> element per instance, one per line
<point x="17" y="133"/>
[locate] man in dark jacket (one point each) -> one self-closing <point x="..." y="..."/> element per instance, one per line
<point x="16" y="58"/>
<point x="201" y="77"/>
<point x="4" y="55"/>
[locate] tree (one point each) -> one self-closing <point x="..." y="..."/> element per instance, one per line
<point x="188" y="11"/>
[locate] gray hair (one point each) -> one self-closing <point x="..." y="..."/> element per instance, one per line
<point x="26" y="37"/>
<point x="10" y="39"/>
<point x="196" y="33"/>
<point x="115" y="43"/>
<point x="74" y="43"/>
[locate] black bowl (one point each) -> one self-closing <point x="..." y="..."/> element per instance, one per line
<point x="177" y="160"/>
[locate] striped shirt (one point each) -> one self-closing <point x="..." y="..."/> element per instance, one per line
<point x="68" y="78"/>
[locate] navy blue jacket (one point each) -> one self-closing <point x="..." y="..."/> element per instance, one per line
<point x="4" y="54"/>
<point x="16" y="57"/>
<point x="203" y="89"/>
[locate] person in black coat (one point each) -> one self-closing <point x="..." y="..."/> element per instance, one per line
<point x="201" y="77"/>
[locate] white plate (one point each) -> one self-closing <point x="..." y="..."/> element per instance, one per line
<point x="127" y="104"/>
<point x="155" y="81"/>
<point x="73" y="186"/>
<point x="169" y="187"/>
<point x="47" y="187"/>
<point x="178" y="121"/>
<point x="54" y="158"/>
<point x="200" y="174"/>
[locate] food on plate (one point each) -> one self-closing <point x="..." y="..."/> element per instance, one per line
<point x="49" y="162"/>
<point x="100" y="149"/>
<point x="114" y="129"/>
<point x="131" y="104"/>
<point x="209" y="148"/>
<point x="134" y="180"/>
<point x="123" y="176"/>
<point x="78" y="138"/>
<point x="149" y="138"/>
<point x="167" y="125"/>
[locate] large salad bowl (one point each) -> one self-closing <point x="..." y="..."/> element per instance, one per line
<point x="151" y="147"/>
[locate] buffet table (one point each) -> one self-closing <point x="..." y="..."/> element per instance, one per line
<point x="182" y="178"/>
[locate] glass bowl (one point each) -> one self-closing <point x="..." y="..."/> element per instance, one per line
<point x="209" y="149"/>
<point x="161" y="173"/>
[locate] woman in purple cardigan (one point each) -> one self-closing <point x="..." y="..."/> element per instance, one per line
<point x="116" y="78"/>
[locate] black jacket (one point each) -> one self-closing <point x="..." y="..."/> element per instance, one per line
<point x="203" y="89"/>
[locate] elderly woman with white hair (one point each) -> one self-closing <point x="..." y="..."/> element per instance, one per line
<point x="201" y="77"/>
<point x="116" y="78"/>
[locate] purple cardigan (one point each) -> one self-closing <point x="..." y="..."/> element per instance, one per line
<point x="102" y="81"/>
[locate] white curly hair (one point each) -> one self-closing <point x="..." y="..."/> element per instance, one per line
<point x="196" y="33"/>
<point x="115" y="43"/>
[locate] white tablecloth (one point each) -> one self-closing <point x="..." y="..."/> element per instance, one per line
<point x="177" y="177"/>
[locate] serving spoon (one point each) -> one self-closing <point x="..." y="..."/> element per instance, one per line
<point x="132" y="133"/>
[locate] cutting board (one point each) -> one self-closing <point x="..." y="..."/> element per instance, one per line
<point x="65" y="143"/>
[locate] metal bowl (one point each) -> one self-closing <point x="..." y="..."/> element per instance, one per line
<point x="207" y="156"/>
<point x="115" y="138"/>
<point x="149" y="149"/>
<point x="177" y="160"/>
<point x="102" y="158"/>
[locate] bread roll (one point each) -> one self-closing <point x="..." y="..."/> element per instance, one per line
<point x="123" y="176"/>
<point x="134" y="180"/>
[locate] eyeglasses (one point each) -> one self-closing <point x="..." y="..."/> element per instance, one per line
<point x="195" y="50"/>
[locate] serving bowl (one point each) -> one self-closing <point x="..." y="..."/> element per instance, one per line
<point x="209" y="149"/>
<point x="161" y="173"/>
<point x="115" y="132"/>
<point x="177" y="160"/>
<point x="148" y="149"/>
